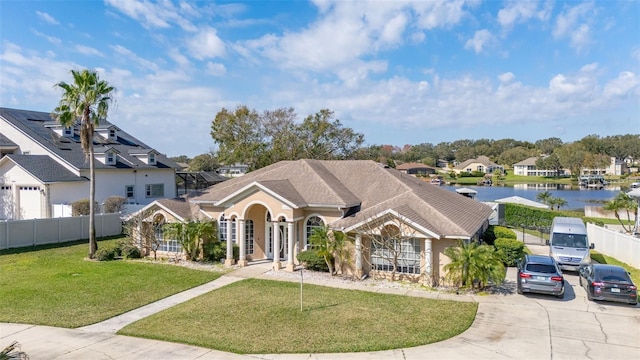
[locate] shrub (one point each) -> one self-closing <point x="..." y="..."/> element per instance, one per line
<point x="312" y="260"/>
<point x="106" y="254"/>
<point x="214" y="251"/>
<point x="493" y="232"/>
<point x="130" y="251"/>
<point x="81" y="207"/>
<point x="509" y="250"/>
<point x="113" y="204"/>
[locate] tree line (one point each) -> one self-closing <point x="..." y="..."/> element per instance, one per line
<point x="258" y="139"/>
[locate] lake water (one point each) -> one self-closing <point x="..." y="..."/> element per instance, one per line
<point x="576" y="197"/>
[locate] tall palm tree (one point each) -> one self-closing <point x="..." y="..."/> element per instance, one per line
<point x="87" y="99"/>
<point x="623" y="202"/>
<point x="544" y="197"/>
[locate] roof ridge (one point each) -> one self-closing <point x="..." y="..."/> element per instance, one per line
<point x="314" y="164"/>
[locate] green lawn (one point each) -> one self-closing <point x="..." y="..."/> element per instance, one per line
<point x="59" y="287"/>
<point x="263" y="317"/>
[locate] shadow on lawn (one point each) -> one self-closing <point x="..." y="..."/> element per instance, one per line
<point x="26" y="249"/>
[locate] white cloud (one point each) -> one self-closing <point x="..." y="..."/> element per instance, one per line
<point x="87" y="50"/>
<point x="216" y="69"/>
<point x="622" y="86"/>
<point x="574" y="23"/>
<point x="143" y="63"/>
<point x="206" y="44"/>
<point x="47" y="18"/>
<point x="522" y="11"/>
<point x="480" y="39"/>
<point x="440" y="13"/>
<point x="155" y="14"/>
<point x="52" y="39"/>
<point x="506" y="77"/>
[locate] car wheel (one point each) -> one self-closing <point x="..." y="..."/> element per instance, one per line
<point x="589" y="297"/>
<point x="580" y="280"/>
<point x="519" y="289"/>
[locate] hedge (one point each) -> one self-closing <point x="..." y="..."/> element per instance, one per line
<point x="509" y="250"/>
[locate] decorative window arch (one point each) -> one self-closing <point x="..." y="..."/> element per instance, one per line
<point x="168" y="245"/>
<point x="313" y="222"/>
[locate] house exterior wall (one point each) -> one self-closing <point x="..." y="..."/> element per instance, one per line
<point x="112" y="182"/>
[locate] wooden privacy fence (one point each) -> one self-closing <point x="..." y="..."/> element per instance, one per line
<point x="623" y="247"/>
<point x="21" y="233"/>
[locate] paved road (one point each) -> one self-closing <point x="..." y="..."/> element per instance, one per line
<point x="507" y="326"/>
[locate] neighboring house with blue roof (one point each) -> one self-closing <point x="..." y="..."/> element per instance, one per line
<point x="42" y="165"/>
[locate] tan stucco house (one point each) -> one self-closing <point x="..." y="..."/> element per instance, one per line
<point x="271" y="212"/>
<point x="481" y="163"/>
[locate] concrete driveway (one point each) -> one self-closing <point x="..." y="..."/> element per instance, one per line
<point x="507" y="326"/>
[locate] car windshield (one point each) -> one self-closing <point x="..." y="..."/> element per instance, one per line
<point x="617" y="276"/>
<point x="570" y="240"/>
<point x="541" y="268"/>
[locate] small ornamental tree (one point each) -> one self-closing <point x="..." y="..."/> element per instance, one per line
<point x="473" y="265"/>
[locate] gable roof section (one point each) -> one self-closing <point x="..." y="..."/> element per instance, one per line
<point x="32" y="123"/>
<point x="5" y="142"/>
<point x="180" y="209"/>
<point x="479" y="160"/>
<point x="378" y="190"/>
<point x="407" y="166"/>
<point x="44" y="168"/>
<point x="528" y="161"/>
<point x="309" y="183"/>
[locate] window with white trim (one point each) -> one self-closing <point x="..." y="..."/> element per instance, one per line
<point x="154" y="190"/>
<point x="248" y="236"/>
<point x="407" y="251"/>
<point x="168" y="245"/>
<point x="67" y="132"/>
<point x="110" y="158"/>
<point x="312" y="223"/>
<point x="152" y="158"/>
<point x="222" y="228"/>
<point x="129" y="191"/>
<point x="112" y="133"/>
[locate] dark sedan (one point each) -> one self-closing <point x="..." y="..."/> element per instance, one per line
<point x="608" y="282"/>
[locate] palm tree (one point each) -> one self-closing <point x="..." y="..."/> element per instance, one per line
<point x="622" y="201"/>
<point x="329" y="245"/>
<point x="471" y="263"/>
<point x="557" y="202"/>
<point x="544" y="197"/>
<point x="87" y="100"/>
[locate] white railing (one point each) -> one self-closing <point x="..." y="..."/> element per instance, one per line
<point x="21" y="233"/>
<point x="622" y="247"/>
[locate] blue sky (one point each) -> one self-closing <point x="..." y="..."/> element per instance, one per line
<point x="399" y="72"/>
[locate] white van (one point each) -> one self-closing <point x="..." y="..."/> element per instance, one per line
<point x="568" y="243"/>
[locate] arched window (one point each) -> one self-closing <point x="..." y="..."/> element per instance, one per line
<point x="222" y="228"/>
<point x="168" y="245"/>
<point x="248" y="236"/>
<point x="312" y="223"/>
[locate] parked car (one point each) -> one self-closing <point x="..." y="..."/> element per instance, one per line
<point x="608" y="282"/>
<point x="540" y="274"/>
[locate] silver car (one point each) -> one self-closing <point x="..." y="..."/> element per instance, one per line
<point x="540" y="274"/>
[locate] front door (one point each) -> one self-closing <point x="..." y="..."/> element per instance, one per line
<point x="284" y="241"/>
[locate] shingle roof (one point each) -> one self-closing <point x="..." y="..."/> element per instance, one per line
<point x="5" y="142"/>
<point x="44" y="168"/>
<point x="480" y="159"/>
<point x="33" y="124"/>
<point x="528" y="161"/>
<point x="179" y="207"/>
<point x="407" y="166"/>
<point x="345" y="183"/>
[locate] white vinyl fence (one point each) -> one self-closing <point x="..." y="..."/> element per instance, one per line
<point x="20" y="233"/>
<point x="620" y="246"/>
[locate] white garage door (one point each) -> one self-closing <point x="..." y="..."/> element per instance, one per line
<point x="30" y="202"/>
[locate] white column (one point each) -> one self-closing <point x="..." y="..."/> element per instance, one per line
<point x="276" y="246"/>
<point x="16" y="202"/>
<point x="229" y="260"/>
<point x="358" y="255"/>
<point x="241" y="242"/>
<point x="290" y="265"/>
<point x="428" y="262"/>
